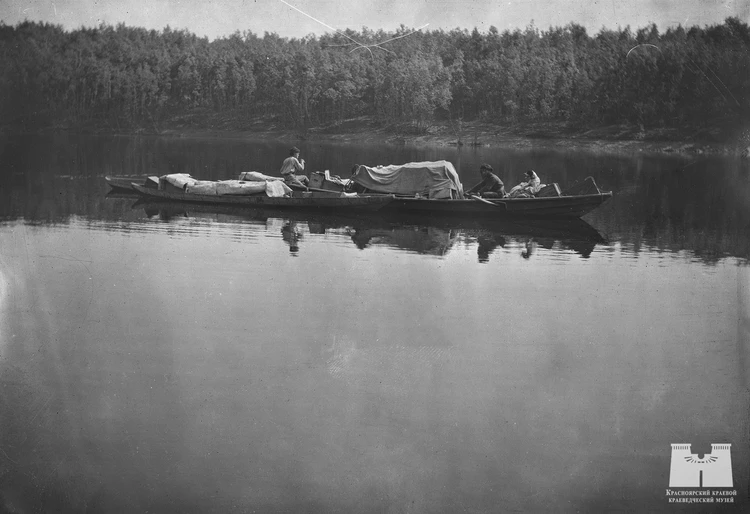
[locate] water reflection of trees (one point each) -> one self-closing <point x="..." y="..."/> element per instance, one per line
<point x="701" y="206"/>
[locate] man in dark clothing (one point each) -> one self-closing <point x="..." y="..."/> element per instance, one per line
<point x="491" y="186"/>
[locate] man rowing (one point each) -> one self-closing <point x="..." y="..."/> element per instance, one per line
<point x="490" y="187"/>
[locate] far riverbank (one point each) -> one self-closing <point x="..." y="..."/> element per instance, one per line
<point x="610" y="139"/>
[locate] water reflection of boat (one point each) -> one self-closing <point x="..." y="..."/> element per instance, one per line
<point x="413" y="233"/>
<point x="437" y="236"/>
<point x="424" y="239"/>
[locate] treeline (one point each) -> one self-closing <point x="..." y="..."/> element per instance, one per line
<point x="124" y="76"/>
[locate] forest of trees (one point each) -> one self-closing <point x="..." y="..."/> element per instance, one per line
<point x="123" y="77"/>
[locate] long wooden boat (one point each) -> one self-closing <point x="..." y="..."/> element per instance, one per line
<point x="434" y="187"/>
<point x="574" y="202"/>
<point x="544" y="207"/>
<point x="316" y="200"/>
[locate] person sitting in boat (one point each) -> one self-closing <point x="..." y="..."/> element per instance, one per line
<point x="529" y="188"/>
<point x="291" y="166"/>
<point x="351" y="186"/>
<point x="490" y="187"/>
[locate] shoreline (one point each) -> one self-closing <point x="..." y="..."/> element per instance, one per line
<point x="365" y="130"/>
<point x="485" y="139"/>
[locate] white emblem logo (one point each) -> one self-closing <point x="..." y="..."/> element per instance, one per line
<point x="687" y="468"/>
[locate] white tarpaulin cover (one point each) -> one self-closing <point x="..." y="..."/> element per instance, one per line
<point x="225" y="187"/>
<point x="274" y="188"/>
<point x="237" y="187"/>
<point x="201" y="187"/>
<point x="257" y="176"/>
<point x="435" y="179"/>
<point x="277" y="188"/>
<point x="179" y="180"/>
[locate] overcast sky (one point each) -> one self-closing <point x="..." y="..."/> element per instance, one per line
<point x="216" y="18"/>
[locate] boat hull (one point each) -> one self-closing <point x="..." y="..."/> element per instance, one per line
<point x="124" y="185"/>
<point x="316" y="201"/>
<point x="549" y="207"/>
<point x="420" y="233"/>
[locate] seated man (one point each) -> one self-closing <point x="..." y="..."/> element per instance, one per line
<point x="352" y="187"/>
<point x="490" y="187"/>
<point x="291" y="166"/>
<point x="529" y="188"/>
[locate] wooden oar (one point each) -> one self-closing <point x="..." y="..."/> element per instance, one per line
<point x="295" y="187"/>
<point x="474" y="197"/>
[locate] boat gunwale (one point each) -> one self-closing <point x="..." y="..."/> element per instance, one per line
<point x="553" y="199"/>
<point x="370" y="202"/>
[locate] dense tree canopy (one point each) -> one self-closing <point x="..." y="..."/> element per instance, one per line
<point x="124" y="76"/>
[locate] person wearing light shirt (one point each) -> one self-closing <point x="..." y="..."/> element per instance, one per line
<point x="529" y="188"/>
<point x="291" y="166"/>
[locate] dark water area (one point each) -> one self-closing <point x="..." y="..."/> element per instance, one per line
<point x="697" y="204"/>
<point x="157" y="357"/>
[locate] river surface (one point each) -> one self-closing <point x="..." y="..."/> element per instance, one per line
<point x="162" y="358"/>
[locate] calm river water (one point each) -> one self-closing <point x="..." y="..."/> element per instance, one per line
<point x="158" y="358"/>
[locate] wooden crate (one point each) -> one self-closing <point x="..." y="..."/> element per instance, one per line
<point x="318" y="180"/>
<point x="549" y="190"/>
